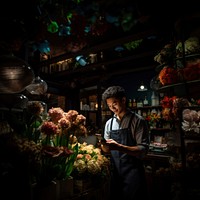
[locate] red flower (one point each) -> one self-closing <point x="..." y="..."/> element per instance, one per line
<point x="167" y="102"/>
<point x="49" y="128"/>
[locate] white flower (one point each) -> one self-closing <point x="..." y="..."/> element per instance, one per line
<point x="80" y="165"/>
<point x="92" y="160"/>
<point x="191" y="45"/>
<point x="93" y="167"/>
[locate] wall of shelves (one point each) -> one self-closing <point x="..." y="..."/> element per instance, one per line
<point x="92" y="107"/>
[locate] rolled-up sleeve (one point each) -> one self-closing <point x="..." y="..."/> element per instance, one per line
<point x="140" y="130"/>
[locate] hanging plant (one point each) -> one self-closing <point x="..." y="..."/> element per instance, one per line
<point x="52" y="27"/>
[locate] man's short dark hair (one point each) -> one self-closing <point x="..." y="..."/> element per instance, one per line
<point x="117" y="92"/>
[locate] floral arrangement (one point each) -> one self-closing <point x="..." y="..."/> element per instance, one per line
<point x="174" y="70"/>
<point x="172" y="105"/>
<point x="60" y="126"/>
<point x="167" y="104"/>
<point x="168" y="75"/>
<point x="171" y="75"/>
<point x="153" y="119"/>
<point x="59" y="140"/>
<point x="191" y="71"/>
<point x="51" y="152"/>
<point x="90" y="162"/>
<point x="54" y="133"/>
<point x="191" y="45"/>
<point x="166" y="54"/>
<point x="191" y="121"/>
<point x="170" y="51"/>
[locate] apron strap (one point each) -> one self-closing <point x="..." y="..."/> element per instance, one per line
<point x="111" y="123"/>
<point x="129" y="124"/>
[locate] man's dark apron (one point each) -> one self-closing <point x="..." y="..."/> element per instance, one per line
<point x="127" y="177"/>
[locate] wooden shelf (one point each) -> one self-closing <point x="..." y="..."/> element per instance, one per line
<point x="178" y="84"/>
<point x="183" y="89"/>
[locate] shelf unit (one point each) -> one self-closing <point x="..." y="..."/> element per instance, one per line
<point x="184" y="89"/>
<point x="92" y="107"/>
<point x="190" y="151"/>
<point x="187" y="180"/>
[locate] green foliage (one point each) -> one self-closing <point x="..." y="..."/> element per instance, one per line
<point x="133" y="45"/>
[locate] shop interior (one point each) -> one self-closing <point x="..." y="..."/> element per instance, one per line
<point x="64" y="54"/>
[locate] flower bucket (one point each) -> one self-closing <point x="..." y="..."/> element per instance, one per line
<point x="66" y="188"/>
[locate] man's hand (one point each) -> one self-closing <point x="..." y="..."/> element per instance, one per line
<point x="109" y="144"/>
<point x="105" y="147"/>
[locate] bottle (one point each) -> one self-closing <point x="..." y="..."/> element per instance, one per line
<point x="130" y="103"/>
<point x="134" y="103"/>
<point x="154" y="99"/>
<point x="81" y="105"/>
<point x="139" y="103"/>
<point x="145" y="102"/>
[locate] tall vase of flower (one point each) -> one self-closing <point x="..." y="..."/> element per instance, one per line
<point x="60" y="147"/>
<point x="90" y="167"/>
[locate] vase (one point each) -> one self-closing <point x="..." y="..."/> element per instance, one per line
<point x="49" y="191"/>
<point x="66" y="188"/>
<point x="153" y="125"/>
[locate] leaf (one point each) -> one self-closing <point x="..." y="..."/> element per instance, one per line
<point x="71" y="159"/>
<point x="36" y="124"/>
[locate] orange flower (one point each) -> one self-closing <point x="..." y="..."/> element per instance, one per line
<point x="168" y="75"/>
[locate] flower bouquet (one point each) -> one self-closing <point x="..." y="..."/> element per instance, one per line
<point x="90" y="163"/>
<point x="59" y="143"/>
<point x="171" y="107"/>
<point x="191" y="121"/>
<point x="153" y="119"/>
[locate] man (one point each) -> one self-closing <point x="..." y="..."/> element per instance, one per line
<point x="127" y="139"/>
